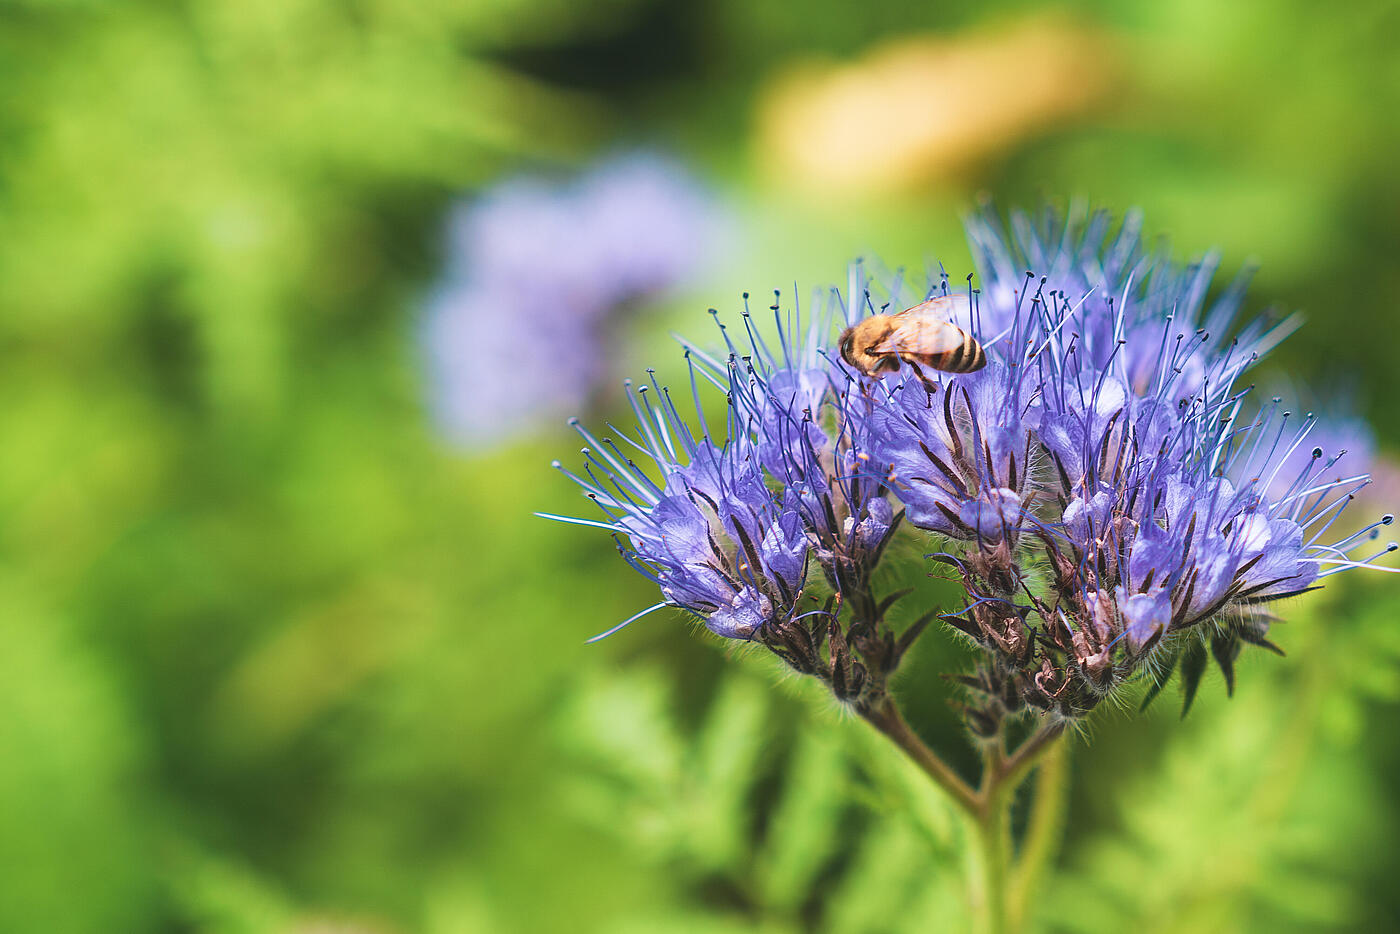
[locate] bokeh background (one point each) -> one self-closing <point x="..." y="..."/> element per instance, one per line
<point x="296" y="295"/>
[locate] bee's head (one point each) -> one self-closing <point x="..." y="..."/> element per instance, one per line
<point x="847" y="345"/>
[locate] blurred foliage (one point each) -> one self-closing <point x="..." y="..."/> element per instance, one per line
<point x="278" y="660"/>
<point x="778" y="815"/>
<point x="1260" y="816"/>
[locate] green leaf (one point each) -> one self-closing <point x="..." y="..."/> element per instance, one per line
<point x="1226" y="648"/>
<point x="1161" y="673"/>
<point x="892" y="862"/>
<point x="723" y="769"/>
<point x="1193" y="665"/>
<point x="805" y="831"/>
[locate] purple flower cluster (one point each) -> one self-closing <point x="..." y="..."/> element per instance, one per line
<point x="707" y="530"/>
<point x="731" y="526"/>
<point x="1114" y="503"/>
<point x="516" y="332"/>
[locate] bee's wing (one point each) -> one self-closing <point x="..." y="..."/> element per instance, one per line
<point x="947" y="307"/>
<point x="920" y="330"/>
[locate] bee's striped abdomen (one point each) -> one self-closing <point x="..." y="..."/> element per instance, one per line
<point x="967" y="357"/>
<point x="972" y="356"/>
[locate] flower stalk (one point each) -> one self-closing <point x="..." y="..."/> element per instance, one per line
<point x="1004" y="878"/>
<point x="992" y="831"/>
<point x="1044" y="831"/>
<point x="888" y="720"/>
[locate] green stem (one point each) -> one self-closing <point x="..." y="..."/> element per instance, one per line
<point x="888" y="720"/>
<point x="1043" y="831"/>
<point x="1011" y="771"/>
<point x="1001" y="891"/>
<point x="992" y="830"/>
<point x="998" y="901"/>
<point x="993" y="834"/>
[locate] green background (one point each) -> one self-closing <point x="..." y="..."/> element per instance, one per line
<point x="276" y="657"/>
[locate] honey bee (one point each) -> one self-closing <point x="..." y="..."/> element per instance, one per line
<point x="922" y="335"/>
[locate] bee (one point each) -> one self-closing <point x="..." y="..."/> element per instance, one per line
<point x="919" y="335"/>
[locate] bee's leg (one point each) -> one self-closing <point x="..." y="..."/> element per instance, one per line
<point x="889" y="363"/>
<point x="930" y="386"/>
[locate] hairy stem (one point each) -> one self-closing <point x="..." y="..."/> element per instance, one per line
<point x="1043" y="832"/>
<point x="1001" y="890"/>
<point x="888" y="720"/>
<point x="992" y="825"/>
<point x="993" y="835"/>
<point x="1012" y="770"/>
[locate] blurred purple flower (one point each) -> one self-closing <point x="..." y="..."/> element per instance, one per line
<point x="538" y="273"/>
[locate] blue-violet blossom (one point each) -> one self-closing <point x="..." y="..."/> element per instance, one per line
<point x="1114" y="503"/>
<point x="538" y="272"/>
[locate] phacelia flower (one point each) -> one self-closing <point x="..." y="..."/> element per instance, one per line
<point x="795" y="406"/>
<point x="1159" y="489"/>
<point x="1114" y="503"/>
<point x="698" y="519"/>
